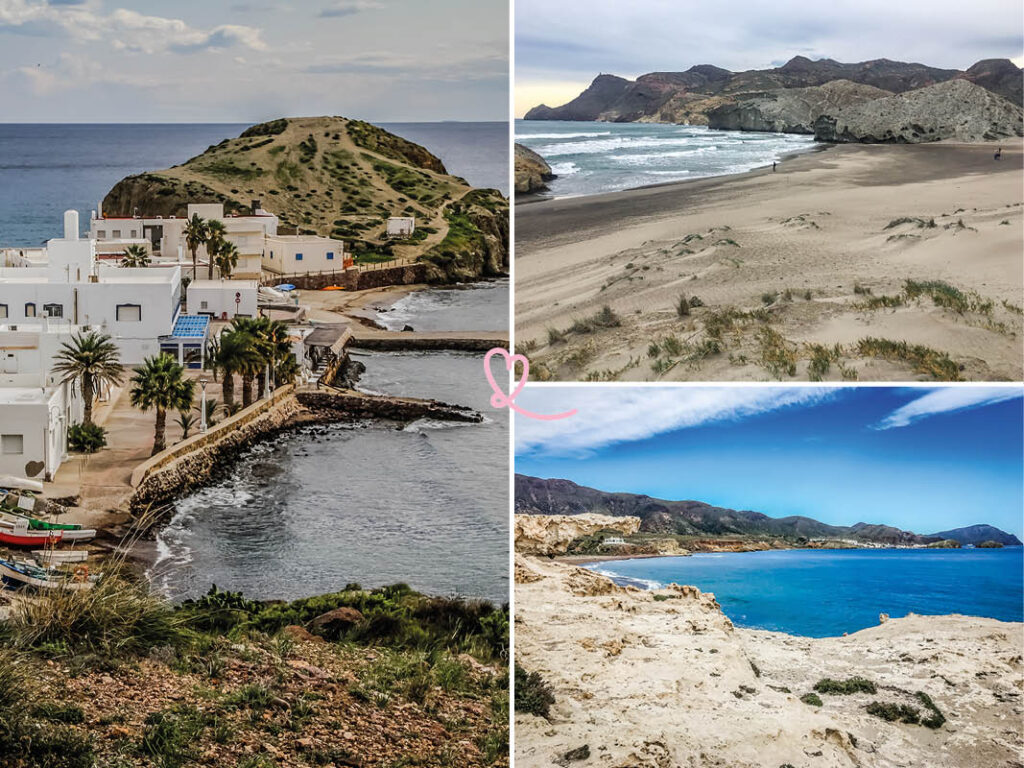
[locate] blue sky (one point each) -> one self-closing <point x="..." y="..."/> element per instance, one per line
<point x="561" y="46"/>
<point x="921" y="459"/>
<point x="225" y="61"/>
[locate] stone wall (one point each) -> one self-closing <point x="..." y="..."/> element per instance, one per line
<point x="360" y="280"/>
<point x="336" y="405"/>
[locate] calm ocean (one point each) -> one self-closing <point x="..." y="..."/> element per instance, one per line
<point x="606" y="157"/>
<point x="46" y="169"/>
<point x="823" y="593"/>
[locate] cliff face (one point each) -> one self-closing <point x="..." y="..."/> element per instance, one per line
<point x="340" y="178"/>
<point x="532" y="171"/>
<point x="956" y="109"/>
<point x="792" y="110"/>
<point x="537" y="496"/>
<point x="552" y="534"/>
<point x="759" y="97"/>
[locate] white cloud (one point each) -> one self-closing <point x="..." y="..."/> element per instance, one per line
<point x="947" y="400"/>
<point x="349" y="8"/>
<point x="124" y="29"/>
<point x="610" y="415"/>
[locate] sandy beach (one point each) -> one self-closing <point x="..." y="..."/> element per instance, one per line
<point x="785" y="266"/>
<point x="656" y="679"/>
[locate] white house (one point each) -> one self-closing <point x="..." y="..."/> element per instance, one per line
<point x="36" y="409"/>
<point x="401" y="226"/>
<point x="223" y="299"/>
<point x="134" y="306"/>
<point x="291" y="254"/>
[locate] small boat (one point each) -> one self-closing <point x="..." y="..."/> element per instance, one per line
<point x="334" y="288"/>
<point x="25" y="538"/>
<point x="17" y="575"/>
<point x="71" y="532"/>
<point x="60" y="556"/>
<point x="20" y="483"/>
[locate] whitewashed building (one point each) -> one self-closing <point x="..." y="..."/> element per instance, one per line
<point x="401" y="226"/>
<point x="296" y="254"/>
<point x="36" y="408"/>
<point x="223" y="299"/>
<point x="134" y="306"/>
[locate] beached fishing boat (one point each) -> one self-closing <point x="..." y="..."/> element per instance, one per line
<point x="26" y="538"/>
<point x="18" y="523"/>
<point x="17" y="575"/>
<point x="59" y="556"/>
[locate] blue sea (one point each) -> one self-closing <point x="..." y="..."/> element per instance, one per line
<point x="46" y="169"/>
<point x="590" y="158"/>
<point x="824" y="593"/>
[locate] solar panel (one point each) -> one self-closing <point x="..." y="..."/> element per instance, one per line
<point x="191" y="327"/>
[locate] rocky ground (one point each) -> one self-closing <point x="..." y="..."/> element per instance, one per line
<point x="532" y="171"/>
<point x="662" y="679"/>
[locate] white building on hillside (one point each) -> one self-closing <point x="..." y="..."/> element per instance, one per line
<point x="296" y="254"/>
<point x="401" y="226"/>
<point x="134" y="306"/>
<point x="260" y="247"/>
<point x="223" y="299"/>
<point x="36" y="409"/>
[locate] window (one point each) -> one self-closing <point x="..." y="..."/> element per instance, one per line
<point x="53" y="310"/>
<point x="204" y="305"/>
<point x="11" y="445"/>
<point x="134" y="233"/>
<point x="3" y="311"/>
<point x="271" y="254"/>
<point x="129" y="313"/>
<point x="30" y="309"/>
<point x="101" y="234"/>
<point x="117" y="234"/>
<point x="298" y="257"/>
<point x="330" y="255"/>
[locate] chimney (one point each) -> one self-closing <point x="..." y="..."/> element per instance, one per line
<point x="70" y="225"/>
<point x="99" y="210"/>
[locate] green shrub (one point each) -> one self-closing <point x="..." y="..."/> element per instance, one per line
<point x="86" y="438"/>
<point x="533" y="695"/>
<point x="891" y="712"/>
<point x="844" y="687"/>
<point x="936" y="718"/>
<point x="812" y="699"/>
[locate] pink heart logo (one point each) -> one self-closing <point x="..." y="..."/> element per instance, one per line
<point x="500" y="400"/>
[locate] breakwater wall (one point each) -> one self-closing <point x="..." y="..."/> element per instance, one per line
<point x="193" y="463"/>
<point x="359" y="279"/>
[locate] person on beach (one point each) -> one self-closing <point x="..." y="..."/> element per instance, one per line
<point x="999" y="154"/>
<point x="773" y="166"/>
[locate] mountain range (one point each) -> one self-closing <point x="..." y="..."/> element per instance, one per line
<point x="793" y="97"/>
<point x="538" y="496"/>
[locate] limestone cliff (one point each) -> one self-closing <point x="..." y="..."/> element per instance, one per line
<point x="552" y="534"/>
<point x="956" y="109"/>
<point x="341" y="178"/>
<point x="532" y="171"/>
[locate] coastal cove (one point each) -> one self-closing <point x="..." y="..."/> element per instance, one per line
<point x="827" y="593"/>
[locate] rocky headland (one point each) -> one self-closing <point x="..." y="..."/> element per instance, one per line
<point x="617" y="676"/>
<point x="341" y="178"/>
<point x="532" y="171"/>
<point x="796" y="97"/>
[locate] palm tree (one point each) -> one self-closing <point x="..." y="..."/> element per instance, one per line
<point x="186" y="420"/>
<point x="236" y="353"/>
<point x="196" y="234"/>
<point x="93" y="358"/>
<point x="214" y="241"/>
<point x="160" y="383"/>
<point x="227" y="258"/>
<point x="135" y="255"/>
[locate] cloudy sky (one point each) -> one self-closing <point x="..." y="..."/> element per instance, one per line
<point x="923" y="459"/>
<point x="561" y="46"/>
<point x="224" y="61"/>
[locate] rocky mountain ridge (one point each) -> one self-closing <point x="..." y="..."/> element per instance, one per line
<point x="538" y="496"/>
<point x="791" y="98"/>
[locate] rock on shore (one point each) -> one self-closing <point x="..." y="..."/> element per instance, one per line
<point x="532" y="171"/>
<point x="956" y="109"/>
<point x="656" y="679"/>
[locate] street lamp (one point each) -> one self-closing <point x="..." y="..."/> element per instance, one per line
<point x="203" y="381"/>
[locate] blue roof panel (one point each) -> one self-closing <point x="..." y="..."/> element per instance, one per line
<point x="191" y="327"/>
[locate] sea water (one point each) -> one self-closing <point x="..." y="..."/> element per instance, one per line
<point x="590" y="158"/>
<point x="823" y="593"/>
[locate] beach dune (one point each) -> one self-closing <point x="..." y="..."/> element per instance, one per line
<point x="801" y="273"/>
